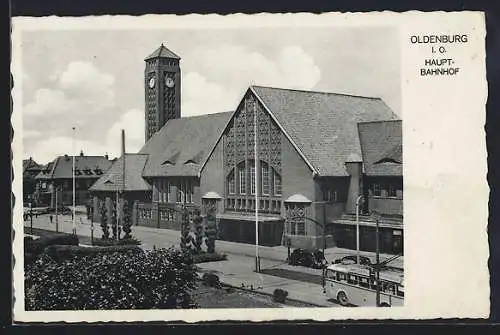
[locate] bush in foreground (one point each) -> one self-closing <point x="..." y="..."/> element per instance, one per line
<point x="163" y="278"/>
<point x="109" y="242"/>
<point x="208" y="257"/>
<point x="61" y="253"/>
<point x="34" y="247"/>
<point x="280" y="295"/>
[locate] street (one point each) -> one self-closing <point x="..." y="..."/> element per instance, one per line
<point x="303" y="284"/>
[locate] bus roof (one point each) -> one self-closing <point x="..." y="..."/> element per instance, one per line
<point x="389" y="274"/>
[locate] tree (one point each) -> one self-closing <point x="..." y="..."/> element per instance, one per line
<point x="114" y="226"/>
<point x="127" y="222"/>
<point x="211" y="230"/>
<point x="104" y="220"/>
<point x="198" y="231"/>
<point x="186" y="238"/>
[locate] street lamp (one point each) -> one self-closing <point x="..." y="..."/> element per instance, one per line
<point x="376" y="216"/>
<point x="74" y="224"/>
<point x="31" y="216"/>
<point x="357" y="228"/>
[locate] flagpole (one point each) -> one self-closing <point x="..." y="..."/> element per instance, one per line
<point x="256" y="174"/>
<point x="74" y="225"/>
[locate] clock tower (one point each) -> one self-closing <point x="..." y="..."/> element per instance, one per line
<point x="162" y="79"/>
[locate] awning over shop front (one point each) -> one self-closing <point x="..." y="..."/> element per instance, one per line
<point x="249" y="217"/>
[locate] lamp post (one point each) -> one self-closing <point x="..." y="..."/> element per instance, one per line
<point x="357" y="228"/>
<point x="376" y="216"/>
<point x="31" y="216"/>
<point x="74" y="212"/>
<point x="57" y="219"/>
<point x="256" y="180"/>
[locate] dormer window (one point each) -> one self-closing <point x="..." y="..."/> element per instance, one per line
<point x="190" y="161"/>
<point x="167" y="162"/>
<point x="98" y="171"/>
<point x="88" y="172"/>
<point x="78" y="172"/>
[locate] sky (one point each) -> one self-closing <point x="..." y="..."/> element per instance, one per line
<point x="93" y="80"/>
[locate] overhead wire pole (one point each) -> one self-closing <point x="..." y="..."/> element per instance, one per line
<point x="74" y="194"/>
<point x="256" y="174"/>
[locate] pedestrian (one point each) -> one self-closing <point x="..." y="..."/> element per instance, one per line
<point x="50" y="217"/>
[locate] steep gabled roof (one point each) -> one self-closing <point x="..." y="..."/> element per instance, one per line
<point x="180" y="147"/>
<point x="30" y="164"/>
<point x="382" y="147"/>
<point x="112" y="180"/>
<point x="85" y="167"/>
<point x="322" y="126"/>
<point x="162" y="52"/>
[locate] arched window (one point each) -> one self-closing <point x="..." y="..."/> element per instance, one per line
<point x="231" y="185"/>
<point x="241" y="186"/>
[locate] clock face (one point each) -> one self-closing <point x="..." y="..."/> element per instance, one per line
<point x="152" y="82"/>
<point x="169" y="82"/>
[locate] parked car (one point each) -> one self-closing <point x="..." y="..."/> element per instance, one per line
<point x="353" y="259"/>
<point x="311" y="259"/>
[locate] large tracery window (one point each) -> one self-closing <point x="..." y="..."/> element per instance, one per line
<point x="265" y="179"/>
<point x="242" y="178"/>
<point x="241" y="183"/>
<point x="231" y="184"/>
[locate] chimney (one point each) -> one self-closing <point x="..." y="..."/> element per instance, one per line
<point x="354" y="168"/>
<point x="81" y="153"/>
<point x="123" y="142"/>
<point x="106" y="156"/>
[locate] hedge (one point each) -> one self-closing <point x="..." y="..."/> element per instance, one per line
<point x="110" y="242"/>
<point x="208" y="257"/>
<point x="67" y="252"/>
<point x="34" y="247"/>
<point x="163" y="278"/>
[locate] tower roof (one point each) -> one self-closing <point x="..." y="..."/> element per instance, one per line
<point x="162" y="52"/>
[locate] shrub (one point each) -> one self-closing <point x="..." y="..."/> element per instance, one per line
<point x="108" y="242"/>
<point x="211" y="231"/>
<point x="127" y="220"/>
<point x="280" y="295"/>
<point x="198" y="231"/>
<point x="61" y="253"/>
<point x="163" y="278"/>
<point x="208" y="257"/>
<point x="104" y="220"/>
<point x="211" y="280"/>
<point x="37" y="246"/>
<point x="186" y="238"/>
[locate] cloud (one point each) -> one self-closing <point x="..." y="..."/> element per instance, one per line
<point x="31" y="133"/>
<point x="133" y="124"/>
<point x="199" y="96"/>
<point x="79" y="88"/>
<point x="132" y="121"/>
<point x="218" y="85"/>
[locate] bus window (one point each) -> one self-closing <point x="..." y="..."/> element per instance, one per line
<point x="340" y="276"/>
<point x="352" y="279"/>
<point x="388" y="287"/>
<point x="330" y="274"/>
<point x="363" y="282"/>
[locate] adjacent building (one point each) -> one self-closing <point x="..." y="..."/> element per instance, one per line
<point x="319" y="162"/>
<point x="57" y="177"/>
<point x="30" y="170"/>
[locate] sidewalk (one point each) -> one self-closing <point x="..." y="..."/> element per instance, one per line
<point x="164" y="238"/>
<point x="238" y="271"/>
